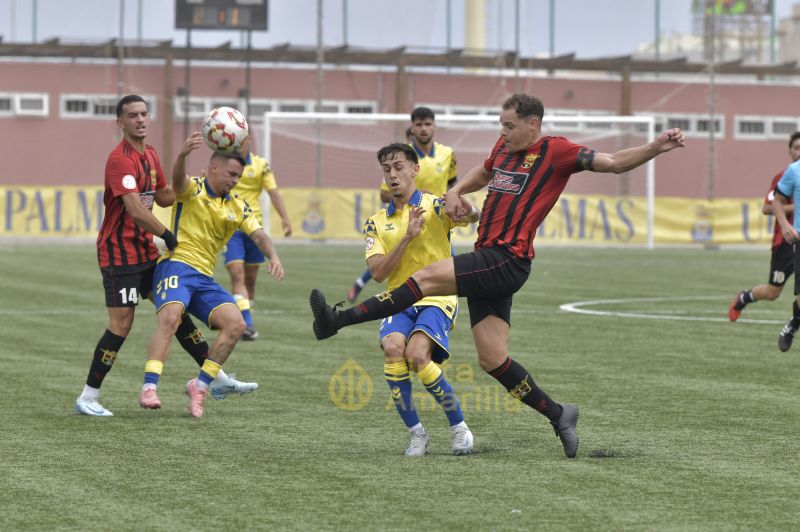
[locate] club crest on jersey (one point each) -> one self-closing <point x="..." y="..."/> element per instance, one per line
<point x="529" y="160"/>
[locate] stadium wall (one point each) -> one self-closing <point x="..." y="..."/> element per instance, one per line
<point x="54" y="150"/>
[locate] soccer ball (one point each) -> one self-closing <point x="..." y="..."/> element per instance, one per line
<point x="225" y="129"/>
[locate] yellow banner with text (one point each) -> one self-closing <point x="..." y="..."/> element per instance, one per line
<point x="338" y="214"/>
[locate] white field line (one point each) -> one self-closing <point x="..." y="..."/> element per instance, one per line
<point x="102" y="311"/>
<point x="578" y="307"/>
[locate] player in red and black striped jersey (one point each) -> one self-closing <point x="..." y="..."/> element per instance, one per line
<point x="782" y="264"/>
<point x="525" y="172"/>
<point x="134" y="180"/>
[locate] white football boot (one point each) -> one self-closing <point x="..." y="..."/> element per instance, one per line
<point x="90" y="407"/>
<point x="418" y="444"/>
<point x="225" y="385"/>
<point x="461" y="439"/>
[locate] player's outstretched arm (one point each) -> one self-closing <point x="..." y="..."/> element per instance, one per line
<point x="180" y="181"/>
<point x="476" y="179"/>
<point x="778" y="210"/>
<point x="264" y="243"/>
<point x="147" y="220"/>
<point x="473" y="214"/>
<point x="628" y="159"/>
<point x="277" y="200"/>
<point x="766" y="209"/>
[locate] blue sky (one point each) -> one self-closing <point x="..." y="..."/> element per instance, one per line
<point x="590" y="28"/>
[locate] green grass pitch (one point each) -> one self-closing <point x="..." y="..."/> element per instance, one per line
<point x="686" y="424"/>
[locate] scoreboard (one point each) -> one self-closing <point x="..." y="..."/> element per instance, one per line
<point x="221" y="14"/>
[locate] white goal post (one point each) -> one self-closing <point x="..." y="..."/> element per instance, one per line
<point x="337" y="149"/>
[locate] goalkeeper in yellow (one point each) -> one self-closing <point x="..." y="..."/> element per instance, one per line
<point x="204" y="217"/>
<point x="411" y="233"/>
<point x="242" y="256"/>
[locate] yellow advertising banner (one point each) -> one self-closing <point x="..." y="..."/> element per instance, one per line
<point x="338" y="214"/>
<point x="67" y="211"/>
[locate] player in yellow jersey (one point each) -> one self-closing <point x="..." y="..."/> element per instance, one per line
<point x="242" y="256"/>
<point x="204" y="217"/>
<point x="438" y="170"/>
<point x="412" y="232"/>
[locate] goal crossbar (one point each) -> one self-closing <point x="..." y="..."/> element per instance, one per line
<point x="647" y="124"/>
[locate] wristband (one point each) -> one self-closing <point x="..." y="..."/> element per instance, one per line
<point x="169" y="239"/>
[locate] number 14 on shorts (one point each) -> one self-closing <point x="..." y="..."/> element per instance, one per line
<point x="129" y="296"/>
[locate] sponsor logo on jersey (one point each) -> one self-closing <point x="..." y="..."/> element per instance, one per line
<point x="147" y="199"/>
<point x="508" y="182"/>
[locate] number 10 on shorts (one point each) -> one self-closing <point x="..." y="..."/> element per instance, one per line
<point x="167" y="282"/>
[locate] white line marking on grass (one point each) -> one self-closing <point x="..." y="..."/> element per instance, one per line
<point x="578" y="308"/>
<point x="99" y="310"/>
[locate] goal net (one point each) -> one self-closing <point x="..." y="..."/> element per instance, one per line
<point x="333" y="151"/>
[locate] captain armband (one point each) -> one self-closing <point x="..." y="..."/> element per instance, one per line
<point x="585" y="159"/>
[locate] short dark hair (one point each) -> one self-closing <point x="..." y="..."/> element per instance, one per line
<point x="794" y="137"/>
<point x="525" y="106"/>
<point x="125" y="100"/>
<point x="228" y="155"/>
<point x="397" y="147"/>
<point x="421" y="113"/>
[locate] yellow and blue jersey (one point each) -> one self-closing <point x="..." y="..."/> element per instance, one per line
<point x="436" y="169"/>
<point x="386" y="228"/>
<point x="203" y="221"/>
<point x="256" y="176"/>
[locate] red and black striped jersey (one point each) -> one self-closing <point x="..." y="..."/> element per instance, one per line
<point x="524" y="187"/>
<point x="777" y="232"/>
<point x="121" y="242"/>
